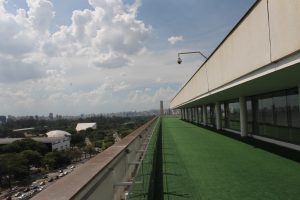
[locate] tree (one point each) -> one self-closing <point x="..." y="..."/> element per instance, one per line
<point x="74" y="154"/>
<point x="24" y="144"/>
<point x="33" y="157"/>
<point x="98" y="143"/>
<point x="89" y="150"/>
<point x="56" y="159"/>
<point x="13" y="166"/>
<point x="78" y="139"/>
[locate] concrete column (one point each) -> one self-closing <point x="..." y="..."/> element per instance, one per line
<point x="187" y="114"/>
<point x="243" y="116"/>
<point x="204" y="114"/>
<point x="195" y="114"/>
<point x="197" y="111"/>
<point x="218" y="115"/>
<point x="184" y="113"/>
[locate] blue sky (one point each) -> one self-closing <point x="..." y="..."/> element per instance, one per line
<point x="70" y="57"/>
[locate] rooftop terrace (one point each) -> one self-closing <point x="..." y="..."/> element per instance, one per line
<point x="201" y="164"/>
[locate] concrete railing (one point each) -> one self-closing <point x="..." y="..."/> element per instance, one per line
<point x="267" y="33"/>
<point x="107" y="176"/>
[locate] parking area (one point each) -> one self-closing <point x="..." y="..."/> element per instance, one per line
<point x="23" y="193"/>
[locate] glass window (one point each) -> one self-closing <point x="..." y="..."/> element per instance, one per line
<point x="293" y="104"/>
<point x="265" y="109"/>
<point x="195" y="114"/>
<point x="280" y="109"/>
<point x="208" y="118"/>
<point x="210" y="110"/>
<point x="277" y="115"/>
<point x="200" y="114"/>
<point x="249" y="115"/>
<point x="222" y="107"/>
<point x="232" y="115"/>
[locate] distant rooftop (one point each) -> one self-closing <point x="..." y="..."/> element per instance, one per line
<point x="57" y="133"/>
<point x="84" y="126"/>
<point x="23" y="129"/>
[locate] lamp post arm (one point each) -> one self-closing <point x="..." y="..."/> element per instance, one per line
<point x="190" y="52"/>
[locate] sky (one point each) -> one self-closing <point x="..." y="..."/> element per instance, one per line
<point x="99" y="56"/>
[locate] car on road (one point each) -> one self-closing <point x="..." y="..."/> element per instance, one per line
<point x="18" y="194"/>
<point x="23" y="196"/>
<point x="42" y="183"/>
<point x="40" y="188"/>
<point x="14" y="188"/>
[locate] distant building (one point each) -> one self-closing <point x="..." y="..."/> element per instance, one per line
<point x="84" y="126"/>
<point x="161" y="107"/>
<point x="23" y="129"/>
<point x="58" y="133"/>
<point x="2" y="119"/>
<point x="51" y="116"/>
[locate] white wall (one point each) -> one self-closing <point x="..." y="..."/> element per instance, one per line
<point x="253" y="44"/>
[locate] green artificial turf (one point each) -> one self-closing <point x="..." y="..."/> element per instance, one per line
<point x="201" y="164"/>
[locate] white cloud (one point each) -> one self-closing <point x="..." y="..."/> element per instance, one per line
<point x="95" y="36"/>
<point x="98" y="63"/>
<point x="150" y="99"/>
<point x="175" y="39"/>
<point x="12" y="70"/>
<point x="40" y="14"/>
<point x="109" y="34"/>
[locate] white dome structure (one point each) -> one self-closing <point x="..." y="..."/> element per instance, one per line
<point x="58" y="133"/>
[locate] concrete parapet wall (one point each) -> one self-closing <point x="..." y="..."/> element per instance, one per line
<point x="102" y="176"/>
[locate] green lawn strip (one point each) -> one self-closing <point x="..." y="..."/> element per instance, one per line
<point x="222" y="168"/>
<point x="176" y="178"/>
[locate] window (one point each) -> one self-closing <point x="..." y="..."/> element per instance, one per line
<point x="293" y="105"/>
<point x="249" y="115"/>
<point x="280" y="109"/>
<point x="208" y="119"/>
<point x="276" y="115"/>
<point x="265" y="109"/>
<point x="200" y="114"/>
<point x="232" y="114"/>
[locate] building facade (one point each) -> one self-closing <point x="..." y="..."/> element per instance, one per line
<point x="250" y="84"/>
